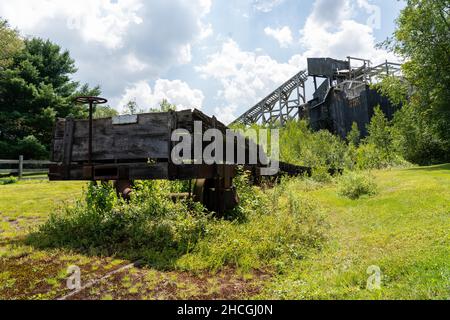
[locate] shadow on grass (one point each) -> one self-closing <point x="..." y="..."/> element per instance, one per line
<point x="157" y="233"/>
<point x="159" y="255"/>
<point x="154" y="239"/>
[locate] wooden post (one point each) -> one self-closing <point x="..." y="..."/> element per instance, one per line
<point x="20" y="167"/>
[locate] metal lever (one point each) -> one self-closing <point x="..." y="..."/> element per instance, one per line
<point x="91" y="101"/>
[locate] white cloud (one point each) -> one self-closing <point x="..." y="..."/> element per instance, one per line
<point x="185" y="54"/>
<point x="330" y="31"/>
<point x="116" y="42"/>
<point x="226" y="114"/>
<point x="141" y="92"/>
<point x="246" y="77"/>
<point x="133" y="64"/>
<point x="175" y="92"/>
<point x="282" y="35"/>
<point x="206" y="31"/>
<point x="266" y="5"/>
<point x="100" y="21"/>
<point x="203" y="6"/>
<point x="330" y="13"/>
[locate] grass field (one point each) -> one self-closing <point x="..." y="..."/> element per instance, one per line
<point x="403" y="230"/>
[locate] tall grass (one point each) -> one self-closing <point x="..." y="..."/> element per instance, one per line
<point x="150" y="227"/>
<point x="286" y="229"/>
<point x="354" y="185"/>
<point x="269" y="228"/>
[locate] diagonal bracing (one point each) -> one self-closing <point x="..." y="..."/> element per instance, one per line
<point x="284" y="104"/>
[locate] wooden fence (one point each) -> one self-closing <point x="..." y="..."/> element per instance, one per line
<point x="24" y="168"/>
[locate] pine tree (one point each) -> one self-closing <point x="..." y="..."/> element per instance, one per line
<point x="354" y="136"/>
<point x="380" y="133"/>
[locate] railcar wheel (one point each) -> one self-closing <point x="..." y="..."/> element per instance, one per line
<point x="124" y="188"/>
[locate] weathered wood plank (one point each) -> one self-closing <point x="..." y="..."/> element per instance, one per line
<point x="9" y="161"/>
<point x="146" y="139"/>
<point x="68" y="140"/>
<point x="58" y="141"/>
<point x="122" y="147"/>
<point x="150" y="137"/>
<point x="28" y="162"/>
<point x="136" y="171"/>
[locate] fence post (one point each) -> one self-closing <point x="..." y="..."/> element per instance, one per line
<point x="20" y="167"/>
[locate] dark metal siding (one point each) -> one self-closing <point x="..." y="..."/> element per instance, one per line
<point x="326" y="67"/>
<point x="337" y="113"/>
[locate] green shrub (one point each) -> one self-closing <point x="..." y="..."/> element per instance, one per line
<point x="300" y="146"/>
<point x="354" y="136"/>
<point x="286" y="231"/>
<point x="321" y="175"/>
<point x="8" y="180"/>
<point x="322" y="150"/>
<point x="31" y="148"/>
<point x="368" y="157"/>
<point x="269" y="230"/>
<point x="354" y="185"/>
<point x="150" y="227"/>
<point x="251" y="198"/>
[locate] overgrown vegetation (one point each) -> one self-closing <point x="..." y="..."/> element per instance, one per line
<point x="283" y="230"/>
<point x="150" y="227"/>
<point x="267" y="233"/>
<point x="322" y="251"/>
<point x="323" y="151"/>
<point x="354" y="185"/>
<point x="299" y="145"/>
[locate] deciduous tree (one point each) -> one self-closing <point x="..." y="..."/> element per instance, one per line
<point x="422" y="38"/>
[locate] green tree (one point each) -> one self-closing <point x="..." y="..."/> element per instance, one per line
<point x="10" y="44"/>
<point x="102" y="112"/>
<point x="354" y="136"/>
<point x="380" y="135"/>
<point x="36" y="89"/>
<point x="422" y="38"/>
<point x="131" y="107"/>
<point x="164" y="106"/>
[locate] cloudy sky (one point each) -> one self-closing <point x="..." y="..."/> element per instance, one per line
<point x="220" y="56"/>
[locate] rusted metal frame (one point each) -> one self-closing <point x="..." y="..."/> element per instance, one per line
<point x="138" y="171"/>
<point x="88" y="172"/>
<point x="91" y="127"/>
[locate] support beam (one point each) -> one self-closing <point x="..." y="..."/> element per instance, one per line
<point x="281" y="105"/>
